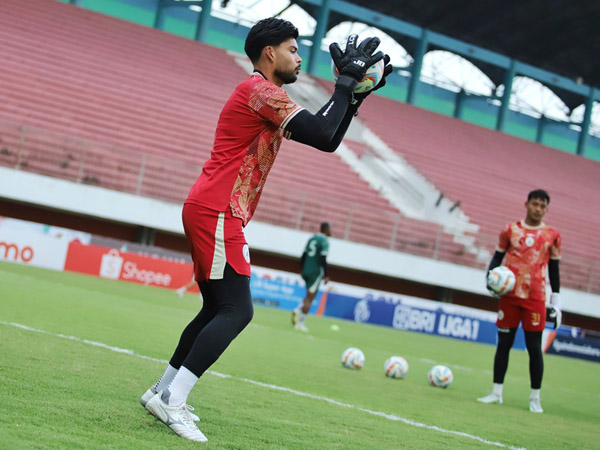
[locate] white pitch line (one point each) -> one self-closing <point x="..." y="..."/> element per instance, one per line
<point x="278" y="388"/>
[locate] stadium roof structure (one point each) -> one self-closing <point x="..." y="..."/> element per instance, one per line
<point x="559" y="36"/>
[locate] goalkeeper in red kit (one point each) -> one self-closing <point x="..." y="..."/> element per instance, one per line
<point x="251" y="127"/>
<point x="531" y="248"/>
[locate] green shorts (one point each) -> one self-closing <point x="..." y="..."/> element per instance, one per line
<point x="312" y="280"/>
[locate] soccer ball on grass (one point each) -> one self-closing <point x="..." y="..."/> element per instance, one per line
<point x="440" y="376"/>
<point x="395" y="367"/>
<point x="353" y="358"/>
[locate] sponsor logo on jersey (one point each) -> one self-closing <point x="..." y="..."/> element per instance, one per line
<point x="500" y="314"/>
<point x="246" y="252"/>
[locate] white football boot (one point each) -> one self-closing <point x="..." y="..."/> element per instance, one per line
<point x="492" y="398"/>
<point x="300" y="326"/>
<point x="152" y="392"/>
<point x="177" y="418"/>
<point x="535" y="405"/>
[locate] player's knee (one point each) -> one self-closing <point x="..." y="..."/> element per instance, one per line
<point x="534" y="346"/>
<point x="246" y="315"/>
<point x="506" y="337"/>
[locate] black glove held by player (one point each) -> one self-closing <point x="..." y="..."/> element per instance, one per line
<point x="355" y="60"/>
<point x="386" y="71"/>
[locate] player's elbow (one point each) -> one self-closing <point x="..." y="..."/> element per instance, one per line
<point x="324" y="141"/>
<point x="328" y="147"/>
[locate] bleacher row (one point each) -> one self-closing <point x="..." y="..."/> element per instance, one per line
<point x="110" y="103"/>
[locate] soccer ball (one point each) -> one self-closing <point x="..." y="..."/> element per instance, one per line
<point x="353" y="358"/>
<point x="395" y="367"/>
<point x="501" y="280"/>
<point x="371" y="79"/>
<point x="440" y="376"/>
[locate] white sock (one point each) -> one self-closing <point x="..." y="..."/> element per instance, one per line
<point x="166" y="378"/>
<point x="497" y="389"/>
<point x="535" y="394"/>
<point x="301" y="317"/>
<point x="181" y="386"/>
<point x="297" y="308"/>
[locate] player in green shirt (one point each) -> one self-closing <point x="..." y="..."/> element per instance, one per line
<point x="314" y="269"/>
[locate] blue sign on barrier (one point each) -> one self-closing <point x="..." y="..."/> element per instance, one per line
<point x="410" y="314"/>
<point x="575" y="347"/>
<point x="396" y="313"/>
<point x="278" y="294"/>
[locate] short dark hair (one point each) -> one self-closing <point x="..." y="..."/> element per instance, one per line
<point x="325" y="226"/>
<point x="539" y="193"/>
<point x="265" y="32"/>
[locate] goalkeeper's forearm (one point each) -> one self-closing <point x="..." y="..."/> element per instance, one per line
<point x="554" y="275"/>
<point x="496" y="260"/>
<point x="326" y="129"/>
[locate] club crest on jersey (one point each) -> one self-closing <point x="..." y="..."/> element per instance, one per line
<point x="529" y="241"/>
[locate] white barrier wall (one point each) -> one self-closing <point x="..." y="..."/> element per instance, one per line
<point x="33" y="249"/>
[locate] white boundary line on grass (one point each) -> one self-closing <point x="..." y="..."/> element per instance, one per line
<point x="278" y="388"/>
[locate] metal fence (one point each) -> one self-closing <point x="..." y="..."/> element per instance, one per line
<point x="81" y="161"/>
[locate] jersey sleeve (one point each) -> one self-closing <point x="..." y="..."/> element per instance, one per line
<point x="504" y="239"/>
<point x="555" y="250"/>
<point x="273" y="104"/>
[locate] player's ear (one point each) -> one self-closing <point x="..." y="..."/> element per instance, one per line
<point x="269" y="53"/>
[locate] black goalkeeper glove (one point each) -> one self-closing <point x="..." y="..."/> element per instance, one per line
<point x="355" y="60"/>
<point x="358" y="98"/>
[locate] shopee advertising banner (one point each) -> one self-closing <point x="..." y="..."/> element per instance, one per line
<point x="34" y="249"/>
<point x="117" y="265"/>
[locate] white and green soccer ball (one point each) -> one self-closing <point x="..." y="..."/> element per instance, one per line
<point x="395" y="367"/>
<point x="353" y="358"/>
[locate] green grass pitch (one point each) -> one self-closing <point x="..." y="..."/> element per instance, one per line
<point x="285" y="390"/>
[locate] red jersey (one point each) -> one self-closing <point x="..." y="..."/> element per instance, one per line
<point x="528" y="250"/>
<point x="248" y="136"/>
